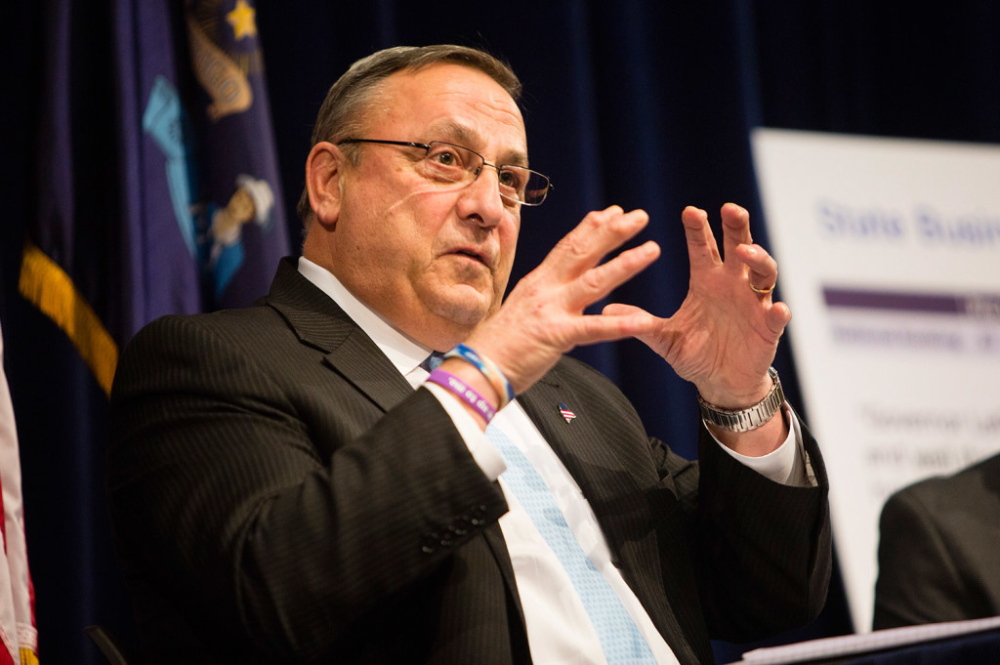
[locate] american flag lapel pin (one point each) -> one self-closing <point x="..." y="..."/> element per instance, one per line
<point x="565" y="412"/>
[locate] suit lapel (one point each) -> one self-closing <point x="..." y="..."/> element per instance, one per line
<point x="320" y="322"/>
<point x="617" y="482"/>
<point x="609" y="479"/>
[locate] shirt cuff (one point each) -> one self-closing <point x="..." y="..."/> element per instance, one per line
<point x="483" y="452"/>
<point x="788" y="464"/>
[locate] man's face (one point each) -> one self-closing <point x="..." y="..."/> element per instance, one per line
<point x="433" y="259"/>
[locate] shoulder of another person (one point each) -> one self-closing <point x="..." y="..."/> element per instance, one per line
<point x="915" y="504"/>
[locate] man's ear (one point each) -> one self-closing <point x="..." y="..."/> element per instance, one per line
<point x="324" y="168"/>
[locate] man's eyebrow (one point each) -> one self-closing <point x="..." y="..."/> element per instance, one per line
<point x="462" y="135"/>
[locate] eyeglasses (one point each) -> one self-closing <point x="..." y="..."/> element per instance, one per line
<point x="450" y="163"/>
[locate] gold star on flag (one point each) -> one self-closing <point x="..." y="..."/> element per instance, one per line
<point x="243" y="20"/>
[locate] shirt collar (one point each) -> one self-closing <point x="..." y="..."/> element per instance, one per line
<point x="403" y="352"/>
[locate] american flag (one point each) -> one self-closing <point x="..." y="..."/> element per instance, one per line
<point x="18" y="635"/>
<point x="565" y="412"/>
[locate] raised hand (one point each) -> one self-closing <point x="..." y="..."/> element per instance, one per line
<point x="723" y="337"/>
<point x="543" y="316"/>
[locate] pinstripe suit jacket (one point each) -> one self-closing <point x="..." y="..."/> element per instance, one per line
<point x="279" y="493"/>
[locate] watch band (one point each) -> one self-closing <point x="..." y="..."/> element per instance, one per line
<point x="744" y="420"/>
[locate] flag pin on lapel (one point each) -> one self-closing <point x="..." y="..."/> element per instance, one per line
<point x="565" y="412"/>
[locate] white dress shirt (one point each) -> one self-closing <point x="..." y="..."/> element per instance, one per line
<point x="558" y="626"/>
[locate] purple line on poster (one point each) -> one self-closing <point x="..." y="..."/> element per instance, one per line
<point x="976" y="305"/>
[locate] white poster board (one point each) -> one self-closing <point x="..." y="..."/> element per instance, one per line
<point x="889" y="257"/>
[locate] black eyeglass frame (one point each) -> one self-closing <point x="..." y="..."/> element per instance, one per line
<point x="498" y="167"/>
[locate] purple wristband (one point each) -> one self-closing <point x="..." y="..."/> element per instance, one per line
<point x="456" y="386"/>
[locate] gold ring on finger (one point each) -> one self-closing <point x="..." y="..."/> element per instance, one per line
<point x="761" y="292"/>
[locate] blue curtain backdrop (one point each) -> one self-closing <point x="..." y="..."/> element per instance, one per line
<point x="643" y="103"/>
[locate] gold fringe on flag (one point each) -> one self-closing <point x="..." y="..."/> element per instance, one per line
<point x="51" y="290"/>
<point x="28" y="657"/>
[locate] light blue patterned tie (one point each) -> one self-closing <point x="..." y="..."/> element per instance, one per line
<point x="619" y="636"/>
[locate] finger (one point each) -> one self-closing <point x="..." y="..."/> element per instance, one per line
<point x="735" y="231"/>
<point x="601" y="280"/>
<point x="763" y="269"/>
<point x="777" y="318"/>
<point x="620" y="309"/>
<point x="606" y="327"/>
<point x="703" y="251"/>
<point x="599" y="233"/>
<point x="652" y="329"/>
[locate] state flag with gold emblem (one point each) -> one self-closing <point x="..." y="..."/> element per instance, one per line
<point x="158" y="175"/>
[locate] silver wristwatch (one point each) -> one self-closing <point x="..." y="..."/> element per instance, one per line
<point x="744" y="420"/>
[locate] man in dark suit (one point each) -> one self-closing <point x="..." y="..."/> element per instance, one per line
<point x="289" y="484"/>
<point x="939" y="549"/>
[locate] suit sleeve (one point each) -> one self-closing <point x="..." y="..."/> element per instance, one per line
<point x="223" y="498"/>
<point x="764" y="548"/>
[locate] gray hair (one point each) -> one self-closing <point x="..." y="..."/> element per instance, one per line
<point x="341" y="113"/>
